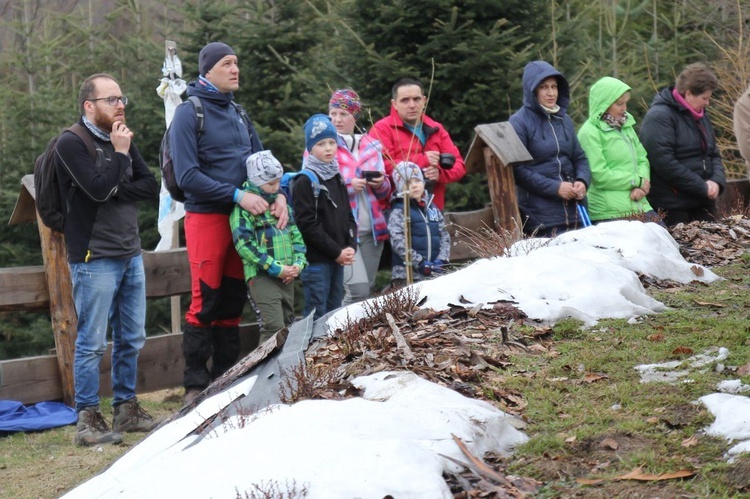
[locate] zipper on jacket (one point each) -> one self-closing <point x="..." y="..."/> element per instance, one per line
<point x="559" y="167"/>
<point x="427" y="226"/>
<point x="634" y="158"/>
<point x="557" y="143"/>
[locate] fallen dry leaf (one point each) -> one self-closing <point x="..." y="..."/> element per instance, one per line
<point x="655" y="337"/>
<point x="570" y="440"/>
<point x="697" y="270"/>
<point x="744" y="370"/>
<point x="690" y="442"/>
<point x="609" y="443"/>
<point x="709" y="304"/>
<point x="592" y="377"/>
<point x="638" y="474"/>
<point x="652" y="420"/>
<point x="682" y="351"/>
<point x="590" y="481"/>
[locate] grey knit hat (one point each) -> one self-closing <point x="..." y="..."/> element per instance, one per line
<point x="211" y="54"/>
<point x="263" y="167"/>
<point x="403" y="172"/>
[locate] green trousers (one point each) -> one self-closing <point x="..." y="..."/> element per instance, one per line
<point x="274" y="302"/>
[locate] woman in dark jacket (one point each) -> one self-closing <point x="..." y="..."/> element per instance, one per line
<point x="549" y="187"/>
<point x="687" y="174"/>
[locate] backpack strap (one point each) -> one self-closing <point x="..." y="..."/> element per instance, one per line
<point x="84" y="135"/>
<point x="315" y="181"/>
<point x="196" y="102"/>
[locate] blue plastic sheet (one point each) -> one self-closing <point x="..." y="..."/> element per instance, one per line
<point x="14" y="416"/>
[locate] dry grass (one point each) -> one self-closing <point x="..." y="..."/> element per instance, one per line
<point x="47" y="464"/>
<point x="733" y="71"/>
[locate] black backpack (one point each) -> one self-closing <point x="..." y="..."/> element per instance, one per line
<point x="46" y="184"/>
<point x="166" y="164"/>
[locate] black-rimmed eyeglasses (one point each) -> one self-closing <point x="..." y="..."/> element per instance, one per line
<point x="112" y="101"/>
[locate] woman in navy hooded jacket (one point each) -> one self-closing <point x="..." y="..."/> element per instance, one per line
<point x="551" y="185"/>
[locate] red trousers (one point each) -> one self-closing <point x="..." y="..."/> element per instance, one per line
<point x="216" y="274"/>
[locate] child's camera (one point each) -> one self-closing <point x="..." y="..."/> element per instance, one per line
<point x="370" y="176"/>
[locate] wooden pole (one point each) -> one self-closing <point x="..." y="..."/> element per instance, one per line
<point x="175" y="308"/>
<point x="61" y="306"/>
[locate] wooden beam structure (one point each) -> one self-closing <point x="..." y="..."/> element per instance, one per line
<point x="160" y="365"/>
<point x="495" y="149"/>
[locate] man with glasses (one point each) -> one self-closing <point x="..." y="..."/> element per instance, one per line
<point x="104" y="255"/>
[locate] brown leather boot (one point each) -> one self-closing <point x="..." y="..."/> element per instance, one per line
<point x="130" y="417"/>
<point x="92" y="428"/>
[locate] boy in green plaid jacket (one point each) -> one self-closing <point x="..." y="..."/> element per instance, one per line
<point x="272" y="257"/>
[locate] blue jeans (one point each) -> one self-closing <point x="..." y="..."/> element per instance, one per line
<point x="108" y="290"/>
<point x="323" y="286"/>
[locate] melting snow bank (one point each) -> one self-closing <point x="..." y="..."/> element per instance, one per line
<point x="393" y="441"/>
<point x="732" y="422"/>
<point x="665" y="372"/>
<point x="588" y="274"/>
<point x="732" y="412"/>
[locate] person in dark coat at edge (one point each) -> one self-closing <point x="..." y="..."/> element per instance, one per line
<point x="210" y="168"/>
<point x="687" y="174"/>
<point x="551" y="185"/>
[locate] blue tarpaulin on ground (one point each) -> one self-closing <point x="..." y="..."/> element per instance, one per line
<point x="14" y="416"/>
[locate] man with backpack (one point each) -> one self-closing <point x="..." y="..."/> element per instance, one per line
<point x="210" y="168"/>
<point x="99" y="194"/>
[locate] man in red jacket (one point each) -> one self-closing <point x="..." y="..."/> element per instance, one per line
<point x="408" y="134"/>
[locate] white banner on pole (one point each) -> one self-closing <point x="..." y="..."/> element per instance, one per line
<point x="170" y="88"/>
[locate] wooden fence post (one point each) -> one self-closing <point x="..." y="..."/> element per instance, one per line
<point x="61" y="305"/>
<point x="502" y="188"/>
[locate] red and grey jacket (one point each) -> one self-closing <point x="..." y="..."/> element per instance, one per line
<point x="400" y="144"/>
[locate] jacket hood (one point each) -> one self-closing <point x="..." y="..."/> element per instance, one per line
<point x="534" y="74"/>
<point x="665" y="98"/>
<point x="603" y="94"/>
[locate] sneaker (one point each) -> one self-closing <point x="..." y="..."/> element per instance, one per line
<point x="130" y="417"/>
<point x="92" y="428"/>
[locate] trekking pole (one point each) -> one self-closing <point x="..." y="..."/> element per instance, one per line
<point x="584" y="214"/>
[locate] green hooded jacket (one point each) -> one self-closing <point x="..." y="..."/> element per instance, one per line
<point x="617" y="159"/>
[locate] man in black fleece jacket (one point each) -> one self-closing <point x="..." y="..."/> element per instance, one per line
<point x="104" y="255"/>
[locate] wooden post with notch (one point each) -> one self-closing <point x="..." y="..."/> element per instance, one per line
<point x="61" y="306"/>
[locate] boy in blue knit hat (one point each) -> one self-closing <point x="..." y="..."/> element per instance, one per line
<point x="324" y="218"/>
<point x="272" y="258"/>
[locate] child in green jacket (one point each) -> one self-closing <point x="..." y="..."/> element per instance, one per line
<point x="272" y="257"/>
